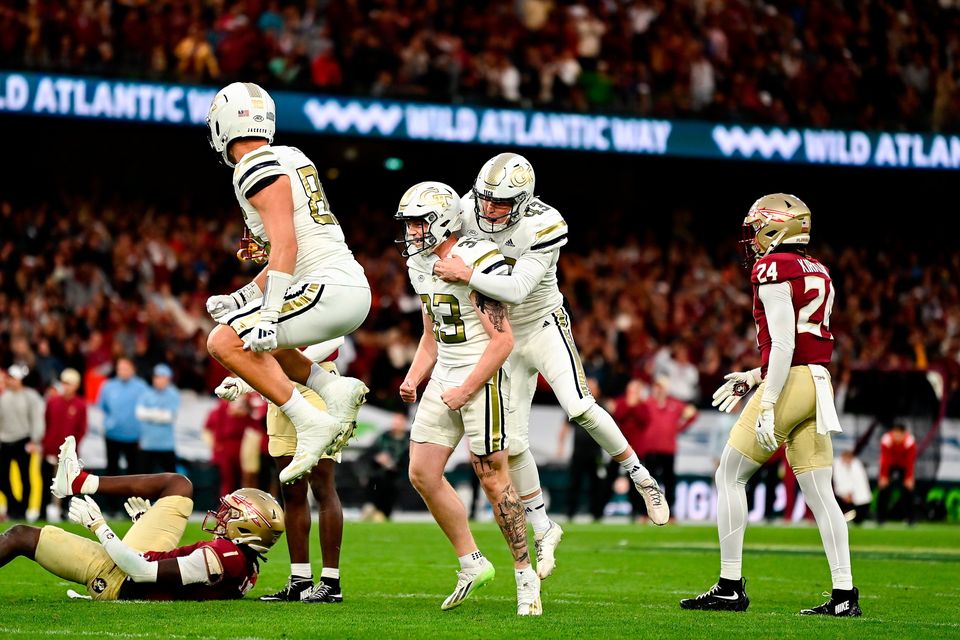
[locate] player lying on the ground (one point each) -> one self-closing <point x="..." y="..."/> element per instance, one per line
<point x="321" y="481"/>
<point x="466" y="341"/>
<point x="793" y="404"/>
<point x="503" y="208"/>
<point x="311" y="290"/>
<point x="147" y="564"/>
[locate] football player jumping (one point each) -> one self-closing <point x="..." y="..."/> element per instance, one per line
<point x="502" y="208"/>
<point x="466" y="341"/>
<point x="146" y="563"/>
<point x="793" y="404"/>
<point x="311" y="290"/>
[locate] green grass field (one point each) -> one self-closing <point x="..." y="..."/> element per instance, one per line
<point x="611" y="581"/>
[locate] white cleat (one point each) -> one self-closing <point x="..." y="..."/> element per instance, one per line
<point x="546" y="546"/>
<point x="657" y="508"/>
<point x="468" y="581"/>
<point x="344" y="397"/>
<point x="312" y="441"/>
<point x="68" y="468"/>
<point x="528" y="593"/>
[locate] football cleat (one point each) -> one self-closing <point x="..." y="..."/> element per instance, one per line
<point x="68" y="468"/>
<point x="344" y="396"/>
<point x="842" y="604"/>
<point x="297" y="589"/>
<point x="720" y="599"/>
<point x="546" y="546"/>
<point x="528" y="593"/>
<point x="657" y="508"/>
<point x="468" y="581"/>
<point x="324" y="593"/>
<point x="313" y="439"/>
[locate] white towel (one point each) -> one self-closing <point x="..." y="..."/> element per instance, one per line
<point x="827" y="419"/>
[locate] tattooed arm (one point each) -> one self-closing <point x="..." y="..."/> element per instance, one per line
<point x="493" y="317"/>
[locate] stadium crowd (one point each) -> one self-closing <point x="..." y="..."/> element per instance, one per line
<point x="79" y="289"/>
<point x="872" y="65"/>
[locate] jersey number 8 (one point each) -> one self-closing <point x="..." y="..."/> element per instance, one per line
<point x="314" y="190"/>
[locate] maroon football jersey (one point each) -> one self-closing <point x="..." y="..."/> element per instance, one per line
<point x="239" y="575"/>
<point x="812" y="304"/>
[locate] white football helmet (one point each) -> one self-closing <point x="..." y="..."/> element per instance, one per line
<point x="506" y="179"/>
<point x="240" y="110"/>
<point x="436" y="207"/>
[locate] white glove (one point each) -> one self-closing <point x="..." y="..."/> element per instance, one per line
<point x="232" y="388"/>
<point x="136" y="507"/>
<point x="86" y="512"/>
<point x="737" y="385"/>
<point x="263" y="337"/>
<point x="220" y="306"/>
<point x="765" y="422"/>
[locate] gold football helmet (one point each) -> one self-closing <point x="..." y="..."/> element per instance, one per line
<point x="251" y="249"/>
<point x="247" y="516"/>
<point x="773" y="220"/>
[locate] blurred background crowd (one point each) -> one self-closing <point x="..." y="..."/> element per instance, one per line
<point x="878" y="64"/>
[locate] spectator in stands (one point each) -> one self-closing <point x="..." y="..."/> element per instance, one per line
<point x="66" y="415"/>
<point x="665" y="418"/>
<point x="390" y="454"/>
<point x="682" y="376"/>
<point x="628" y="411"/>
<point x="157" y="412"/>
<point x="898" y="459"/>
<point x="118" y="400"/>
<point x="21" y="432"/>
<point x="226" y="426"/>
<point x="852" y="486"/>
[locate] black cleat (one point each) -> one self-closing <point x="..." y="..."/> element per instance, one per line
<point x="842" y="604"/>
<point x="722" y="597"/>
<point x="296" y="590"/>
<point x="325" y="593"/>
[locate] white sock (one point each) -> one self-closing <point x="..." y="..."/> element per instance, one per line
<point x="817" y="487"/>
<point x="90" y="485"/>
<point x="732" y="475"/>
<point x="633" y="468"/>
<point x="536" y="513"/>
<point x="471" y="560"/>
<point x="330" y="572"/>
<point x="298" y="410"/>
<point x="319" y="378"/>
<point x="301" y="570"/>
<point x="603" y="429"/>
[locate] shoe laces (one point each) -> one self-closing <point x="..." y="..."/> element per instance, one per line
<point x="655" y="494"/>
<point x="321" y="590"/>
<point x="714" y="590"/>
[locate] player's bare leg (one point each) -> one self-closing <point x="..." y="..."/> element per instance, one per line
<point x="19" y="540"/>
<point x="296" y="510"/>
<point x="323" y="485"/>
<point x="316" y="430"/>
<point x="427" y="462"/>
<point x="493" y="472"/>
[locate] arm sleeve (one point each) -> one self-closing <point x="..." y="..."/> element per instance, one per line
<point x="782" y="323"/>
<point x="513" y="289"/>
<point x="130" y="562"/>
<point x="202" y="566"/>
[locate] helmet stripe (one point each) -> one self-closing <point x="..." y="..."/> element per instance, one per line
<point x="253" y="90"/>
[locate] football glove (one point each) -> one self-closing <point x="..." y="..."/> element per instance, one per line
<point x="765" y="423"/>
<point x="232" y="388"/>
<point x="136" y="507"/>
<point x="86" y="512"/>
<point x="263" y="337"/>
<point x="737" y="385"/>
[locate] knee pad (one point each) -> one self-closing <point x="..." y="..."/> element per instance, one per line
<point x="523" y="473"/>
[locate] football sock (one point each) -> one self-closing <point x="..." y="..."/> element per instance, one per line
<point x="301" y="570"/>
<point x="297" y="409"/>
<point x="732" y="475"/>
<point x="817" y="490"/>
<point x="471" y="560"/>
<point x="85" y="484"/>
<point x="330" y="576"/>
<point x="319" y="378"/>
<point x="523" y="473"/>
<point x="603" y="429"/>
<point x="637" y="472"/>
<point x="536" y="513"/>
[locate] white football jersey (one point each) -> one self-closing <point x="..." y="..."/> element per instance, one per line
<point x="321" y="249"/>
<point x="541" y="229"/>
<point x="461" y="338"/>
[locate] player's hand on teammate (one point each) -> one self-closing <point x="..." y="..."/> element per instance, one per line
<point x="220" y="306"/>
<point x="232" y="388"/>
<point x="765" y="423"/>
<point x="136" y="507"/>
<point x="452" y="269"/>
<point x="263" y="337"/>
<point x="737" y="385"/>
<point x="455" y="398"/>
<point x="86" y="512"/>
<point x="408" y="392"/>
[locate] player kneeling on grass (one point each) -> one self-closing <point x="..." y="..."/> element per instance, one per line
<point x="466" y="341"/>
<point x="793" y="404"/>
<point x="147" y="564"/>
<point x="321" y="480"/>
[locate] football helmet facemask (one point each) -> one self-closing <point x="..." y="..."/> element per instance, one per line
<point x="247" y="516"/>
<point x="773" y="220"/>
<point x="506" y="180"/>
<point x="429" y="212"/>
